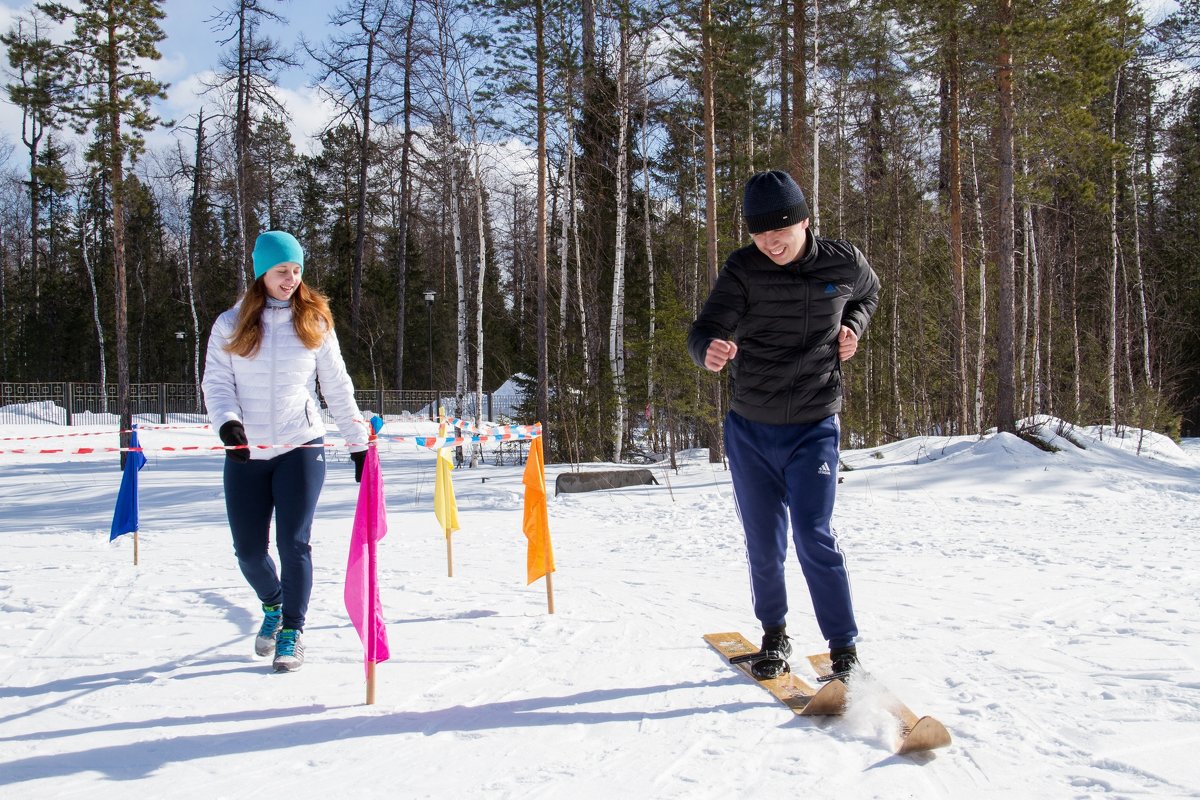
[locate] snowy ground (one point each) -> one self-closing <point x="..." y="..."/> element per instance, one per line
<point x="1043" y="606"/>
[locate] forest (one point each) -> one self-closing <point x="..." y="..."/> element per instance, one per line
<point x="548" y="189"/>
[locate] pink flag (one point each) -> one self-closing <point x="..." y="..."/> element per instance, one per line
<point x="362" y="589"/>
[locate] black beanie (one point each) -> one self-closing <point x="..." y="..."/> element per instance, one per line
<point x="773" y="200"/>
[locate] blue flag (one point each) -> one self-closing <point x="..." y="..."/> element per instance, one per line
<point x="125" y="515"/>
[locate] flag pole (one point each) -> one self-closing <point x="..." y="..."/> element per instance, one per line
<point x="449" y="556"/>
<point x="372" y="564"/>
<point x="361" y="592"/>
<point x="135" y="548"/>
<point x="546" y="557"/>
<point x="372" y="592"/>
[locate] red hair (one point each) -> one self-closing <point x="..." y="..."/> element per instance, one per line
<point x="311" y="318"/>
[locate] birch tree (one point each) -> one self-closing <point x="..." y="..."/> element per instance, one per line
<point x="616" y="322"/>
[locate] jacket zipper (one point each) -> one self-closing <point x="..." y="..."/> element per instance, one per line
<point x="803" y="338"/>
<point x="274" y="399"/>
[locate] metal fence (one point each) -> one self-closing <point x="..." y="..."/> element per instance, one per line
<point x="70" y="403"/>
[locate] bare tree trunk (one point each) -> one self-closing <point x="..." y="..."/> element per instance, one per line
<point x="460" y="276"/>
<point x="1036" y="311"/>
<point x="1046" y="387"/>
<point x="480" y="243"/>
<point x="564" y="257"/>
<point x="197" y="181"/>
<point x="364" y="149"/>
<point x="116" y="159"/>
<point x="586" y="350"/>
<point x="451" y="161"/>
<point x="1113" y="267"/>
<point x="815" y="205"/>
<point x="1141" y="282"/>
<point x="543" y="356"/>
<point x="983" y="317"/>
<point x="1127" y="330"/>
<point x="405" y="200"/>
<point x="480" y="275"/>
<point x="896" y="282"/>
<point x="91" y="273"/>
<point x="710" y="146"/>
<point x="1023" y="387"/>
<point x="1005" y="417"/>
<point x="785" y="70"/>
<point x="707" y="58"/>
<point x="616" y="322"/>
<point x="241" y="143"/>
<point x="1075" y="341"/>
<point x="647" y="234"/>
<point x="796" y="156"/>
<point x="957" y="260"/>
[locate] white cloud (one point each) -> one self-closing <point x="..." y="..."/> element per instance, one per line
<point x="310" y="113"/>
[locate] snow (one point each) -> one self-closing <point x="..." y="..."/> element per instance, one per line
<point x="1042" y="605"/>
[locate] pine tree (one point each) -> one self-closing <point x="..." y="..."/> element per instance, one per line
<point x="111" y="91"/>
<point x="37" y="70"/>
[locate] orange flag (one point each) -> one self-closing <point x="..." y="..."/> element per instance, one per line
<point x="540" y="560"/>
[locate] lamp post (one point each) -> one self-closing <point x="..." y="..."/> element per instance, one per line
<point x="429" y="297"/>
<point x="181" y="337"/>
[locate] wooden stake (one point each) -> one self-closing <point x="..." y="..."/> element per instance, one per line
<point x="135" y="548"/>
<point x="449" y="555"/>
<point x="549" y="594"/>
<point x="370" y="683"/>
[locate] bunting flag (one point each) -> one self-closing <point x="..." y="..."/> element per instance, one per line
<point x="443" y="493"/>
<point x="362" y="587"/>
<point x="125" y="515"/>
<point x="540" y="559"/>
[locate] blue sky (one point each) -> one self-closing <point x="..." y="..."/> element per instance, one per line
<point x="190" y="51"/>
<point x="192" y="41"/>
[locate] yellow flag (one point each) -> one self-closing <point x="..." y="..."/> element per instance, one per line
<point x="443" y="493"/>
<point x="540" y="558"/>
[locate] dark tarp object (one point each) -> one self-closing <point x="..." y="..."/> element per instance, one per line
<point x="570" y="482"/>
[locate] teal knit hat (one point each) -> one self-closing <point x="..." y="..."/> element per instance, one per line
<point x="275" y="247"/>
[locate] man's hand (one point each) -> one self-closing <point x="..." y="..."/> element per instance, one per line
<point x="847" y="343"/>
<point x="719" y="353"/>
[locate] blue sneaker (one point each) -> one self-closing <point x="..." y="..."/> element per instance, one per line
<point x="264" y="643"/>
<point x="289" y="651"/>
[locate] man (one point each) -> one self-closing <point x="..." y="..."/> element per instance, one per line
<point x="785" y="312"/>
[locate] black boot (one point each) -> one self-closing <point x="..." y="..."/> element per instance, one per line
<point x="842" y="661"/>
<point x="771" y="659"/>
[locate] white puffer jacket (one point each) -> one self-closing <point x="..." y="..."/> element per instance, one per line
<point x="274" y="392"/>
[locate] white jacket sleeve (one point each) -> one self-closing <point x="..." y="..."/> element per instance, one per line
<point x="220" y="386"/>
<point x="338" y="392"/>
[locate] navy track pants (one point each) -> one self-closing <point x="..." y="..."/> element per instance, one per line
<point x="782" y="473"/>
<point x="288" y="487"/>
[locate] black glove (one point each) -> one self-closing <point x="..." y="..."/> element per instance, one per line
<point x="233" y="435"/>
<point x="359" y="458"/>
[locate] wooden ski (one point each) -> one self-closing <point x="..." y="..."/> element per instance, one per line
<point x="917" y="734"/>
<point x="788" y="688"/>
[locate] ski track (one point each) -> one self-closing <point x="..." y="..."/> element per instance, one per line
<point x="1050" y="625"/>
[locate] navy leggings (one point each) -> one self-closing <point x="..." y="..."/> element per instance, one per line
<point x="288" y="486"/>
<point x="790" y="471"/>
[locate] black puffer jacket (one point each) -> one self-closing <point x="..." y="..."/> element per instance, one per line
<point x="785" y="321"/>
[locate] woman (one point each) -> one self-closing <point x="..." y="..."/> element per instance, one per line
<point x="265" y="356"/>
